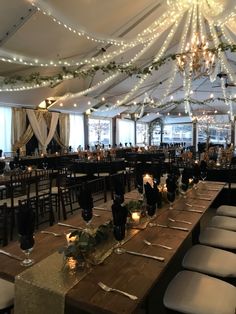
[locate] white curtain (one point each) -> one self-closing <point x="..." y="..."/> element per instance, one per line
<point x="39" y="127"/>
<point x="76" y="131"/>
<point x="124" y="131"/>
<point x="5" y="123"/>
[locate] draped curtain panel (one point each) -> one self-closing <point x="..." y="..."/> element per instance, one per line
<point x="20" y="134"/>
<point x="39" y="126"/>
<point x="64" y="123"/>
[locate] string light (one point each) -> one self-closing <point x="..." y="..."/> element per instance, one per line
<point x="81" y="31"/>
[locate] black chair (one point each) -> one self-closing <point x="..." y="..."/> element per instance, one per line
<point x="98" y="189"/>
<point x="69" y="198"/>
<point x="4" y="224"/>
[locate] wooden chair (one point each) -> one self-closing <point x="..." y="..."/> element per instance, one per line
<point x="98" y="189"/>
<point x="4" y="224"/>
<point x="20" y="187"/>
<point x="69" y="198"/>
<point x="42" y="206"/>
<point x="117" y="184"/>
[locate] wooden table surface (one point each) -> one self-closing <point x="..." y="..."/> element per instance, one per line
<point x="134" y="274"/>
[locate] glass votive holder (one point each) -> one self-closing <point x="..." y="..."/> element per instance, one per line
<point x="136" y="216"/>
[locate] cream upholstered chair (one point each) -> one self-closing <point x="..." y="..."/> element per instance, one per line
<point x="223" y="222"/>
<point x="6" y="296"/>
<point x="226" y="210"/>
<point x="195" y="293"/>
<point x="209" y="260"/>
<point x="219" y="238"/>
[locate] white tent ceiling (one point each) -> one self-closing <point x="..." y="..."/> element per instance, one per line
<point x="50" y="32"/>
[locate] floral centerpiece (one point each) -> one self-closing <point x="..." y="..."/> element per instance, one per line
<point x="82" y="245"/>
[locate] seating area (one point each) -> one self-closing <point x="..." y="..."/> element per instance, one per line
<point x="118" y="157"/>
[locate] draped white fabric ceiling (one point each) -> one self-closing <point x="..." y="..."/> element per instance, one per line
<point x="44" y="36"/>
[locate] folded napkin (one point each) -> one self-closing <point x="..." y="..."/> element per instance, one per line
<point x="119" y="213"/>
<point x="150" y="194"/>
<point x="171" y="183"/>
<point x="25" y="220"/>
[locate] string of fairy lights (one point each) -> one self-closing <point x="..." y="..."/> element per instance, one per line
<point x="144" y="40"/>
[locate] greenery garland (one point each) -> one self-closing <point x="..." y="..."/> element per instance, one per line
<point x="36" y="78"/>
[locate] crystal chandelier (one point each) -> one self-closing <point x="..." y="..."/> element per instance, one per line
<point x="197" y="58"/>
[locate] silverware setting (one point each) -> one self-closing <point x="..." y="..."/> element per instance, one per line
<point x="69" y="226"/>
<point x="96" y="215"/>
<point x="99" y="208"/>
<point x="52" y="233"/>
<point x="204" y="198"/>
<point x="157" y="258"/>
<point x="192" y="210"/>
<point x="165" y="226"/>
<point x="183" y="221"/>
<point x="195" y="205"/>
<point x="11" y="255"/>
<point x="157" y="244"/>
<point x="109" y="289"/>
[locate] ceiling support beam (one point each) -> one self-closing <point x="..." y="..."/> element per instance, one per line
<point x="17" y="25"/>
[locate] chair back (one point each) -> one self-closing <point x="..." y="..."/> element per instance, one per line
<point x="98" y="189"/>
<point x="4" y="224"/>
<point x="69" y="198"/>
<point x="20" y="185"/>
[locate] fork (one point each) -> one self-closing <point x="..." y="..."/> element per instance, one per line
<point x="50" y="232"/>
<point x="109" y="289"/>
<point x="183" y="221"/>
<point x="157" y="244"/>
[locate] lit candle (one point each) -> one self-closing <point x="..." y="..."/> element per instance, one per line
<point x="69" y="239"/>
<point x="42" y="155"/>
<point x="71" y="262"/>
<point x="136" y="217"/>
<point x="148" y="179"/>
<point x="56" y="153"/>
<point x="29" y="168"/>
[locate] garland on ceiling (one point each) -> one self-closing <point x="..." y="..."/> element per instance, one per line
<point x="66" y="73"/>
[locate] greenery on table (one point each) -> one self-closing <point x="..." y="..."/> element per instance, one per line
<point x="84" y="241"/>
<point x="134" y="206"/>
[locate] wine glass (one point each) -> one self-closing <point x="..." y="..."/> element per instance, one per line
<point x="151" y="211"/>
<point x="26" y="245"/>
<point x="87" y="215"/>
<point x="171" y="199"/>
<point x="184" y="188"/>
<point x="119" y="213"/>
<point x="203" y="175"/>
<point x="195" y="182"/>
<point x="45" y="165"/>
<point x="119" y="234"/>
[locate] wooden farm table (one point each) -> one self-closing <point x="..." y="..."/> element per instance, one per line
<point x="134" y="274"/>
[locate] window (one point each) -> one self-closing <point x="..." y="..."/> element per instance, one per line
<point x="178" y="133"/>
<point x="125" y="131"/>
<point x="99" y="131"/>
<point x="5" y="122"/>
<point x="76" y="131"/>
<point x="141" y="134"/>
<point x="218" y="133"/>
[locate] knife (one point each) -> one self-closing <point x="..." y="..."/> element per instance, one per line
<point x="193" y="210"/>
<point x="157" y="258"/>
<point x="173" y="227"/>
<point x="195" y="205"/>
<point x="70" y="226"/>
<point x="205" y="198"/>
<point x="11" y="255"/>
